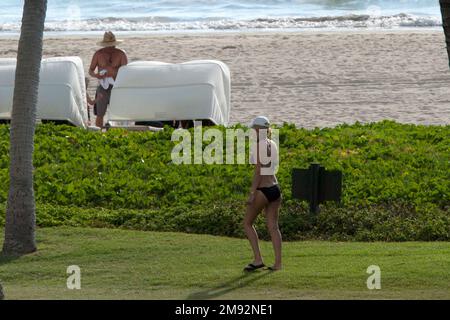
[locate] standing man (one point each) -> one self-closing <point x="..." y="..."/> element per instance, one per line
<point x="107" y="61"/>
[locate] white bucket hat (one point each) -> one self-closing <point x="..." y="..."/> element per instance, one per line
<point x="260" y="121"/>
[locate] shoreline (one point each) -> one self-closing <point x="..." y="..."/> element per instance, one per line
<point x="312" y="79"/>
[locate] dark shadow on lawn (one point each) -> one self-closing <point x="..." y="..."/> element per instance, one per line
<point x="231" y="285"/>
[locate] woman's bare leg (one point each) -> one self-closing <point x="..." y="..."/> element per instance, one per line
<point x="272" y="213"/>
<point x="250" y="216"/>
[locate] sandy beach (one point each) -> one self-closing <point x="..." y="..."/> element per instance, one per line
<point x="312" y="79"/>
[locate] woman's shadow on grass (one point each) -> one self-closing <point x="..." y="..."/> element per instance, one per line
<point x="236" y="283"/>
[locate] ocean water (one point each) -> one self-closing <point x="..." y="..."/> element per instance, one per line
<point x="210" y="15"/>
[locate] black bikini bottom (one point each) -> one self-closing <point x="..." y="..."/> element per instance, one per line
<point x="272" y="193"/>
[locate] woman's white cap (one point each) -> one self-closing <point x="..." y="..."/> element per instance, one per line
<point x="260" y="121"/>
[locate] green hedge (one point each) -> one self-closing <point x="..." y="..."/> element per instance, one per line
<point x="389" y="222"/>
<point x="396" y="182"/>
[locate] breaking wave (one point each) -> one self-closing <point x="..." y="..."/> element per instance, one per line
<point x="217" y="23"/>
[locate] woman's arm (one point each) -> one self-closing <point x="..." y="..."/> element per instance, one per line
<point x="256" y="178"/>
<point x="255" y="184"/>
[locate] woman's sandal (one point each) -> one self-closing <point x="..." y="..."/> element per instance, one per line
<point x="252" y="267"/>
<point x="273" y="269"/>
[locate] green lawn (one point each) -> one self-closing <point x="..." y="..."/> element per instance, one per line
<point x="120" y="264"/>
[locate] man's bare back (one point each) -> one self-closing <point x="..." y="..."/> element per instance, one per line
<point x="109" y="59"/>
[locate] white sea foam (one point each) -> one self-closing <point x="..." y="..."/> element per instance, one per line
<point x="167" y="24"/>
<point x="173" y="15"/>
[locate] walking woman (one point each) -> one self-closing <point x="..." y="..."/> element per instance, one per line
<point x="265" y="194"/>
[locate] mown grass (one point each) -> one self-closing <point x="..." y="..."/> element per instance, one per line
<point x="396" y="182"/>
<point x="121" y="264"/>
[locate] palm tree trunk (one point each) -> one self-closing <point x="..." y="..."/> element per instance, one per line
<point x="445" y="11"/>
<point x="2" y="296"/>
<point x="20" y="213"/>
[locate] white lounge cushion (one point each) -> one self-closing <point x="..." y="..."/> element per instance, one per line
<point x="62" y="90"/>
<point x="157" y="91"/>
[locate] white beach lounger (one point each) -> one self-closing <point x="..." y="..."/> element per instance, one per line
<point x="62" y="90"/>
<point x="157" y="91"/>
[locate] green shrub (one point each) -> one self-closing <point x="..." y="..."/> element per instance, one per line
<point x="396" y="182"/>
<point x="352" y="223"/>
